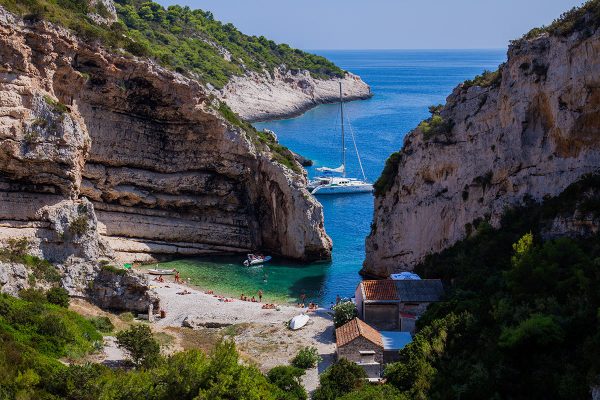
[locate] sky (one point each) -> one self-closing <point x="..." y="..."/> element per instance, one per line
<point x="385" y="24"/>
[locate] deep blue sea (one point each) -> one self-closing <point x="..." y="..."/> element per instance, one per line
<point x="404" y="83"/>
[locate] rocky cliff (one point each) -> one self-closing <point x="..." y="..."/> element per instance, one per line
<point x="523" y="133"/>
<point x="286" y="94"/>
<point x="165" y="173"/>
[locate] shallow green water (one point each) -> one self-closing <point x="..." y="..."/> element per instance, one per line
<point x="279" y="281"/>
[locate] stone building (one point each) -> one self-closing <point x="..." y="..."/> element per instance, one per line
<point x="362" y="344"/>
<point x="394" y="305"/>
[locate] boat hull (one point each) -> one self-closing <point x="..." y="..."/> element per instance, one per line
<point x="323" y="190"/>
<point x="298" y="322"/>
<point x="161" y="272"/>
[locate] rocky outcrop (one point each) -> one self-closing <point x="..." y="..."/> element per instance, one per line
<point x="285" y="94"/>
<point x="122" y="290"/>
<point x="164" y="172"/>
<point x="13" y="278"/>
<point x="528" y="135"/>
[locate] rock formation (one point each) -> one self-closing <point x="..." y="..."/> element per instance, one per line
<point x="286" y="94"/>
<point x="164" y="172"/>
<point x="526" y="136"/>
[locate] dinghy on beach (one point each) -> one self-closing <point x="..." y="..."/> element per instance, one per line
<point x="161" y="271"/>
<point x="298" y="321"/>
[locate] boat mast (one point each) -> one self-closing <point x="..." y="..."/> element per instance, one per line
<point x="343" y="139"/>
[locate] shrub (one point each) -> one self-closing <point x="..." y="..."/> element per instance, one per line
<point x="341" y="378"/>
<point x="33" y="295"/>
<point x="389" y="173"/>
<point x="56" y="105"/>
<point x="486" y="79"/>
<point x="79" y="225"/>
<point x="114" y="270"/>
<point x="288" y="379"/>
<point x="102" y="324"/>
<point x="138" y="341"/>
<point x="307" y="357"/>
<point x="58" y="296"/>
<point x="344" y="312"/>
<point x="126" y="317"/>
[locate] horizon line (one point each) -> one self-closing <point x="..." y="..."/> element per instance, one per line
<point x="410" y="49"/>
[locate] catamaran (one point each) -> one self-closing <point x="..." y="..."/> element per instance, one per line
<point x="330" y="184"/>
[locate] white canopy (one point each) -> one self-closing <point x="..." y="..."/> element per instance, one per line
<point x="338" y="170"/>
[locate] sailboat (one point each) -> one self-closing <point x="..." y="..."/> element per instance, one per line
<point x="330" y="184"/>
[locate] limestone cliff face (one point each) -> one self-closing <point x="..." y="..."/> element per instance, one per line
<point x="529" y="136"/>
<point x="286" y="94"/>
<point x="164" y="173"/>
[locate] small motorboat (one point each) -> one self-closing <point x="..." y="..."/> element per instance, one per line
<point x="256" y="259"/>
<point x="161" y="271"/>
<point x="298" y="321"/>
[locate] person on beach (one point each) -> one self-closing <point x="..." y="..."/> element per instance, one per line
<point x="260" y="293"/>
<point x="302" y="297"/>
<point x="177" y="278"/>
<point x="242" y="297"/>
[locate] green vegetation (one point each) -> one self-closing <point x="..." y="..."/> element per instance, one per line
<point x="390" y="171"/>
<point x="114" y="270"/>
<point x="435" y="125"/>
<point x="486" y="79"/>
<point x="307" y="357"/>
<point x="102" y="324"/>
<point x="79" y="225"/>
<point x="521" y="314"/>
<point x="35" y="334"/>
<point x="57" y="106"/>
<point x="288" y="379"/>
<point x="341" y="378"/>
<point x="58" y="296"/>
<point x="585" y="18"/>
<point x="344" y="312"/>
<point x="141" y="346"/>
<point x="17" y="251"/>
<point x="177" y="37"/>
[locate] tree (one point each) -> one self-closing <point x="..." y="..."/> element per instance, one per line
<point x="138" y="341"/>
<point x="307" y="357"/>
<point x="58" y="296"/>
<point x="288" y="379"/>
<point x="344" y="312"/>
<point x="341" y="378"/>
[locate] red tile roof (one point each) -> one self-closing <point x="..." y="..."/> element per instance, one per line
<point x="354" y="329"/>
<point x="380" y="290"/>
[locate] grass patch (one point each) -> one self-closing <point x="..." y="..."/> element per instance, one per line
<point x="103" y="324"/>
<point x="114" y="270"/>
<point x="56" y="105"/>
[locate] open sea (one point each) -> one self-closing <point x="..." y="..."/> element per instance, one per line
<point x="405" y="83"/>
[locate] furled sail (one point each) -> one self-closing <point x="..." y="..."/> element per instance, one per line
<point x="338" y="170"/>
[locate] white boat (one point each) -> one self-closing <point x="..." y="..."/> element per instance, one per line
<point x="298" y="321"/>
<point x="329" y="184"/>
<point x="256" y="260"/>
<point x="161" y="271"/>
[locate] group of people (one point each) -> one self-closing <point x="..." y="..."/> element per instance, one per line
<point x="178" y="279"/>
<point x="252" y="299"/>
<point x="269" y="306"/>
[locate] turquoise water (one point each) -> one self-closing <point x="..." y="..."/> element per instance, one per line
<point x="405" y="83"/>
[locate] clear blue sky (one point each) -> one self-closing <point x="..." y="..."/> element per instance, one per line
<point x="385" y="24"/>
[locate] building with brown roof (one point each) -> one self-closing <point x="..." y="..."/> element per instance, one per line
<point x="359" y="342"/>
<point x="395" y="304"/>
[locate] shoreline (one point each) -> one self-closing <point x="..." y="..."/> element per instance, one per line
<point x="303" y="109"/>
